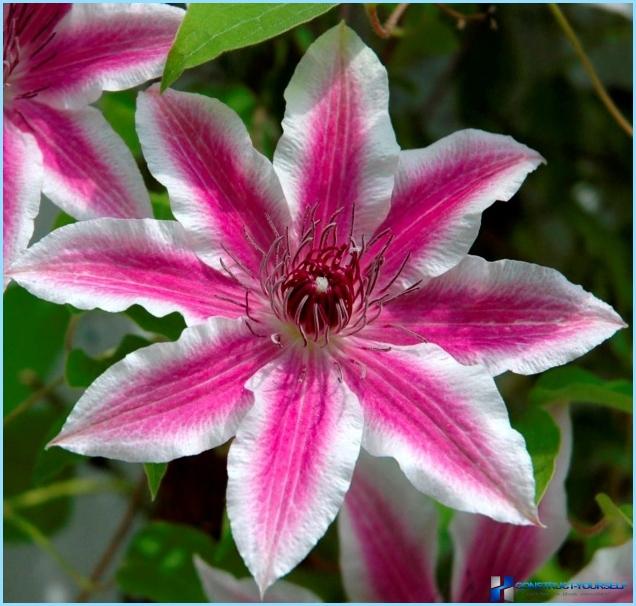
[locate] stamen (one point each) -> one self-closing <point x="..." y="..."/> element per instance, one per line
<point x="228" y="272"/>
<point x="249" y="326"/>
<point x="376" y="347"/>
<point x="339" y="369"/>
<point x="322" y="287"/>
<point x="238" y="263"/>
<point x="250" y="239"/>
<point x="247" y="307"/>
<point x="397" y="275"/>
<point x="229" y="300"/>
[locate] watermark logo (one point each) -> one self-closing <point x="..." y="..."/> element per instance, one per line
<point x="502" y="591"/>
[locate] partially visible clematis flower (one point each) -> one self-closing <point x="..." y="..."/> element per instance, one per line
<point x="388" y="537"/>
<point x="388" y="545"/>
<point x="58" y="58"/>
<point x="221" y="586"/>
<point x="352" y="313"/>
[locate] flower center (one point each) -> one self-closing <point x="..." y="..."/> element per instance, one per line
<point x="319" y="292"/>
<point x="324" y="285"/>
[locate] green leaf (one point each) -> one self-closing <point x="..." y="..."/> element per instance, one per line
<point x="154" y="475"/>
<point x="542" y="438"/>
<point x="158" y="563"/>
<point x="611" y="511"/>
<point x="170" y="326"/>
<point x="82" y="370"/>
<point x="574" y="384"/>
<point x="209" y="30"/>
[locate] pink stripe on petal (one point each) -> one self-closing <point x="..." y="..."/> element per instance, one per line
<point x="506" y="315"/>
<point x="220" y="586"/>
<point x="221" y="189"/>
<point x="388" y="537"/>
<point x="88" y="170"/>
<point x="484" y="548"/>
<point x="115" y="263"/>
<point x="169" y="400"/>
<point x="22" y="181"/>
<point x="446" y="425"/>
<point x="291" y="463"/>
<point x="102" y="47"/>
<point x="440" y="193"/>
<point x="338" y="149"/>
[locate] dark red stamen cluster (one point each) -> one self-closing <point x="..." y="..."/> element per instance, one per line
<point x="322" y="286"/>
<point x="319" y="292"/>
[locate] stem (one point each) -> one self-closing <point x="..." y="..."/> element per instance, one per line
<point x="463" y="18"/>
<point x="47" y="546"/>
<point x="603" y="95"/>
<point x="33" y="399"/>
<point x="587" y="530"/>
<point x="74" y="487"/>
<point x="388" y="29"/>
<point x="115" y="542"/>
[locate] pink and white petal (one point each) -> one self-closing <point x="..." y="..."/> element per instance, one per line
<point x="446" y="425"/>
<point x="221" y="586"/>
<point x="112" y="264"/>
<point x="388" y="536"/>
<point x="169" y="400"/>
<point x="440" y="193"/>
<point x="22" y="183"/>
<point x="101" y="47"/>
<point x="221" y="189"/>
<point x="609" y="565"/>
<point x="506" y="315"/>
<point x="483" y="547"/>
<point x="291" y="462"/>
<point x="338" y="150"/>
<point x="88" y="170"/>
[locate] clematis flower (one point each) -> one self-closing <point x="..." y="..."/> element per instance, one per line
<point x="388" y="545"/>
<point x="351" y="313"/>
<point x="58" y="58"/>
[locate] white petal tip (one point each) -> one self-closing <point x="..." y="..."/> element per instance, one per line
<point x="263" y="583"/>
<point x="533" y="518"/>
<point x="621" y="323"/>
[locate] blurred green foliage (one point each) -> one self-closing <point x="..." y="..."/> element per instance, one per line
<point x="82" y="369"/>
<point x="507" y="70"/>
<point x="158" y="563"/>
